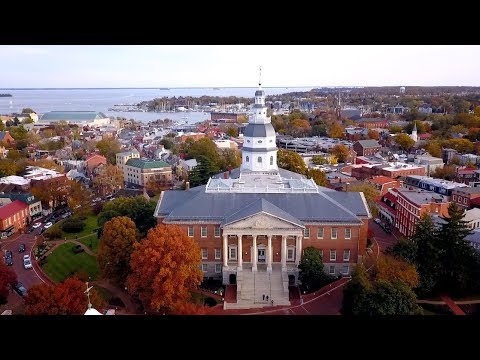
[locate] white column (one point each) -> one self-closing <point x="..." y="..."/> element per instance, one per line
<point x="255" y="255"/>
<point x="284" y="252"/>
<point x="298" y="250"/>
<point x="239" y="252"/>
<point x="225" y="250"/>
<point x="269" y="254"/>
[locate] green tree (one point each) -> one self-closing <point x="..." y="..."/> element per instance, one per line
<point x="7" y="167"/>
<point x="200" y="174"/>
<point x="109" y="148"/>
<point x="167" y="143"/>
<point x="230" y="158"/>
<point x="461" y="145"/>
<point x="290" y="160"/>
<point x="433" y="148"/>
<point x="318" y="176"/>
<point x="231" y="131"/>
<point x="206" y="148"/>
<point x="319" y="160"/>
<point x="355" y="290"/>
<point x="116" y="247"/>
<point x="18" y="133"/>
<point x="404" y="141"/>
<point x="395" y="129"/>
<point x="312" y="273"/>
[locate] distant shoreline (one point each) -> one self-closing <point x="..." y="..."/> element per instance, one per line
<point x="6" y="95"/>
<point x="172" y="88"/>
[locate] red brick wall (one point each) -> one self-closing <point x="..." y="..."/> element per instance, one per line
<point x="19" y="222"/>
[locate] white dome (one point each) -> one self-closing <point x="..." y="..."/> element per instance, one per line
<point x="92" y="311"/>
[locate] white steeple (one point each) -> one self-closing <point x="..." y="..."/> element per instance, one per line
<point x="414" y="132"/>
<point x="259" y="152"/>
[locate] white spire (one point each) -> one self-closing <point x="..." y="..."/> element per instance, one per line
<point x="260" y="78"/>
<point x="90" y="310"/>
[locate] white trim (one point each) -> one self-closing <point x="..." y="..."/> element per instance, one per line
<point x="215" y="231"/>
<point x="350" y="235"/>
<point x="193" y="231"/>
<point x="336" y="233"/>
<point x="333" y="252"/>
<point x="230" y="247"/>
<point x="201" y="231"/>
<point x="204" y="257"/>
<point x="291" y="247"/>
<point x="219" y="257"/>
<point x="218" y="268"/>
<point x="330" y="269"/>
<point x="204" y="266"/>
<point x="323" y="232"/>
<point x="349" y="254"/>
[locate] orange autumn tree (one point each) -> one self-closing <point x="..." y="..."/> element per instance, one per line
<point x="389" y="268"/>
<point x="165" y="267"/>
<point x="115" y="248"/>
<point x="8" y="279"/>
<point x="67" y="298"/>
<point x="188" y="308"/>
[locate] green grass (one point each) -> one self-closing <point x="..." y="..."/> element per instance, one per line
<point x="93" y="240"/>
<point x="90" y="225"/>
<point x="63" y="262"/>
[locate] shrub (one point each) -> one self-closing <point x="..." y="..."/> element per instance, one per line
<point x="54" y="233"/>
<point x="209" y="301"/>
<point x="73" y="225"/>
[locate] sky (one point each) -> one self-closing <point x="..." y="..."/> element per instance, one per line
<point x="237" y="65"/>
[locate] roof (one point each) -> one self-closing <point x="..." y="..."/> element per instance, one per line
<point x="221" y="207"/>
<point x="91" y="156"/>
<point x="259" y="93"/>
<point x="72" y="116"/>
<point x="147" y="164"/>
<point x="27" y="198"/>
<point x="12" y="208"/>
<point x="468" y="190"/>
<point x="421" y="197"/>
<point x="261" y="206"/>
<point x="259" y="130"/>
<point x="127" y="153"/>
<point x="382" y="180"/>
<point x="369" y="143"/>
<point x="3" y="134"/>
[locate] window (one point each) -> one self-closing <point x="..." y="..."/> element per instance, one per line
<point x="348" y="233"/>
<point x="345" y="269"/>
<point x="247" y="159"/>
<point x="233" y="253"/>
<point x="346" y="255"/>
<point x="271" y="159"/>
<point x="334" y="233"/>
<point x="464" y="200"/>
<point x="290" y="253"/>
<point x="204" y="267"/>
<point x="306" y="233"/>
<point x="259" y="141"/>
<point x="218" y="268"/>
<point x="217" y="232"/>
<point x="333" y="255"/>
<point x="190" y="231"/>
<point x="331" y="269"/>
<point x="218" y="254"/>
<point x="204" y="254"/>
<point x="204" y="231"/>
<point x="320" y="233"/>
<point x="259" y="159"/>
<point x="454" y="197"/>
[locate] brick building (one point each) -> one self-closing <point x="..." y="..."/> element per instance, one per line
<point x="92" y="161"/>
<point x="392" y="170"/>
<point x="384" y="183"/>
<point x="253" y="223"/>
<point x="463" y="196"/>
<point x="366" y="147"/>
<point x="13" y="217"/>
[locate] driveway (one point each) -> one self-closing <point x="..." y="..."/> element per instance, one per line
<point x="27" y="277"/>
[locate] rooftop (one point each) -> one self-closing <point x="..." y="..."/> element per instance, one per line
<point x="369" y="143"/>
<point x="72" y="116"/>
<point x="147" y="163"/>
<point x="446" y="184"/>
<point x="12" y="208"/>
<point x="422" y="197"/>
<point x="381" y="180"/>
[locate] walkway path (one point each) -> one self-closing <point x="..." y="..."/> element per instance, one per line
<point x="452" y="305"/>
<point x="130" y="306"/>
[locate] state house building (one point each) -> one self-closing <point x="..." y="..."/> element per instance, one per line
<point x="252" y="223"/>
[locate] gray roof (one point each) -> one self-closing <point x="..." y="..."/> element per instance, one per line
<point x="261" y="206"/>
<point x="264" y="149"/>
<point x="259" y="130"/>
<point x="468" y="190"/>
<point x="72" y="116"/>
<point x="196" y="204"/>
<point x="259" y="93"/>
<point x="369" y="143"/>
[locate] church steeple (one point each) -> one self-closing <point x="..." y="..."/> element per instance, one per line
<point x="259" y="152"/>
<point x="414" y="135"/>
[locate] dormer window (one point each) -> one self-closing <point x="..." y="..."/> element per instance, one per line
<point x="259" y="141"/>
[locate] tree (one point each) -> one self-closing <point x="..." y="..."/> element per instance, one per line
<point x="371" y="195"/>
<point x="67" y="298"/>
<point x="404" y="141"/>
<point x="200" y="174"/>
<point x="319" y="160"/>
<point x="109" y="179"/>
<point x="27" y="111"/>
<point x="165" y="268"/>
<point x="230" y="158"/>
<point x="79" y="198"/>
<point x="116" y="247"/>
<point x="395" y="129"/>
<point x="355" y="290"/>
<point x="167" y="143"/>
<point x="461" y="145"/>
<point x="336" y="131"/>
<point x="8" y="279"/>
<point x="109" y="147"/>
<point x="388" y="298"/>
<point x="372" y="134"/>
<point x="188" y="308"/>
<point x="7" y="167"/>
<point x="390" y="269"/>
<point x="318" y="176"/>
<point x="299" y="127"/>
<point x="447" y="172"/>
<point x="341" y="152"/>
<point x="206" y="148"/>
<point x="139" y="209"/>
<point x="231" y="131"/>
<point x="290" y="160"/>
<point x="312" y="273"/>
<point x="433" y="148"/>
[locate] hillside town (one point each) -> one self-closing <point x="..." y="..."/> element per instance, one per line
<point x="258" y="191"/>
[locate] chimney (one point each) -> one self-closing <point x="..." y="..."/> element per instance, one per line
<point x="187" y="185"/>
<point x="229" y="170"/>
<point x="225" y="175"/>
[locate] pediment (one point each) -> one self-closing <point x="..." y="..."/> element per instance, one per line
<point x="262" y="222"/>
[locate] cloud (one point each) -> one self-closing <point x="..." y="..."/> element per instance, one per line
<point x="17" y="50"/>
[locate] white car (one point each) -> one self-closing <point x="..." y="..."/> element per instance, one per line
<point x="27" y="263"/>
<point x="377" y="220"/>
<point x="36" y="225"/>
<point x="47" y="225"/>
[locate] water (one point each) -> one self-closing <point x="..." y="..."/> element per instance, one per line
<point x="44" y="100"/>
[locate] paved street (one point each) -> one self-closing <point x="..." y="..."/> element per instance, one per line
<point x="384" y="240"/>
<point x="27" y="277"/>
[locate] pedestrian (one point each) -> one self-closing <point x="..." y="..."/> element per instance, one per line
<point x="267" y="297"/>
<point x="263" y="297"/>
<point x="272" y="302"/>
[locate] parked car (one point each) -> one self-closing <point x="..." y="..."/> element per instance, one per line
<point x="8" y="254"/>
<point x="36" y="225"/>
<point x="377" y="220"/>
<point x="21" y="248"/>
<point x="27" y="263"/>
<point x="47" y="225"/>
<point x="8" y="258"/>
<point x="20" y="289"/>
